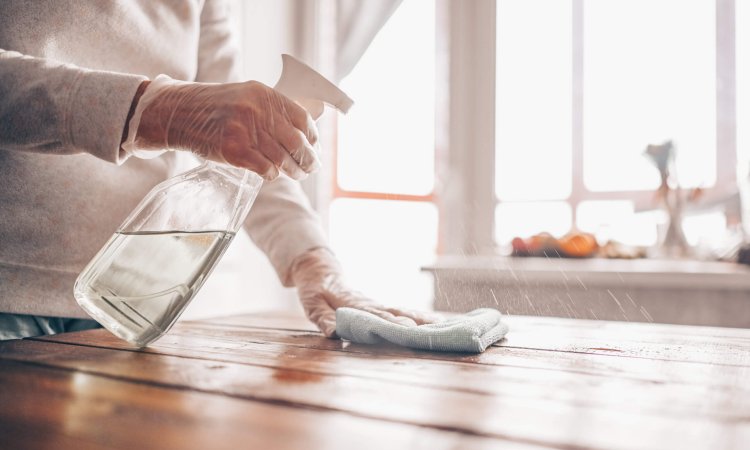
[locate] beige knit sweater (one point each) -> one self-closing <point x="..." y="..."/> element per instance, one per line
<point x="68" y="73"/>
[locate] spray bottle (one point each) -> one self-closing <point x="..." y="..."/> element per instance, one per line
<point x="144" y="277"/>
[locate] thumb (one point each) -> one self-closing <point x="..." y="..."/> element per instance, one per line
<point x="321" y="314"/>
<point x="327" y="325"/>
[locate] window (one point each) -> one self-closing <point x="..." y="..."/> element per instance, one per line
<point x="533" y="111"/>
<point x="547" y="106"/>
<point x="387" y="143"/>
<point x="647" y="87"/>
<point x="533" y="114"/>
<point x="583" y="86"/>
<point x="382" y="219"/>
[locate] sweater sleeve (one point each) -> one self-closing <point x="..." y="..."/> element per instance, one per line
<point x="50" y="107"/>
<point x="281" y="223"/>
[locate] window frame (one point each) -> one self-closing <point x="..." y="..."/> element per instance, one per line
<point x="336" y="191"/>
<point x="465" y="125"/>
<point x="471" y="18"/>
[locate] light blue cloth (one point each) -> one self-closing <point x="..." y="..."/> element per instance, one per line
<point x="472" y="332"/>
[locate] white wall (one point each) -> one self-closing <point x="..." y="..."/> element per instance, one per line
<point x="244" y="280"/>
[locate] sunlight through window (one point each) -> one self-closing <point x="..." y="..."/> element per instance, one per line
<point x="383" y="245"/>
<point x="649" y="76"/>
<point x="387" y="141"/>
<point x="533" y="100"/>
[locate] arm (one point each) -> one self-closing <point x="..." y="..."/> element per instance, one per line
<point x="281" y="222"/>
<point x="50" y="107"/>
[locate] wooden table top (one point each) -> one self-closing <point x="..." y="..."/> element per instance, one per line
<point x="271" y="381"/>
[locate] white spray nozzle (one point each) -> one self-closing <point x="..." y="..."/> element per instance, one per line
<point x="303" y="84"/>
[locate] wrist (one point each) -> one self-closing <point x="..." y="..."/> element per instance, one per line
<point x="314" y="265"/>
<point x="136" y="98"/>
<point x="152" y="117"/>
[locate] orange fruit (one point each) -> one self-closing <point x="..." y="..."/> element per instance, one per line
<point x="578" y="245"/>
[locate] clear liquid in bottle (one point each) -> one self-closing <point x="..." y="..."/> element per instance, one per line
<point x="140" y="282"/>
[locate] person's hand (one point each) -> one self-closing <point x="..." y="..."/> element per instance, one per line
<point x="248" y="125"/>
<point x="321" y="289"/>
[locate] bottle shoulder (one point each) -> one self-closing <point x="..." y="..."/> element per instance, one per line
<point x="215" y="175"/>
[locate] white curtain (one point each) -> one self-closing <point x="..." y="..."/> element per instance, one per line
<point x="357" y="23"/>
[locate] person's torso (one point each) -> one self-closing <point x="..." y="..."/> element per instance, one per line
<point x="58" y="210"/>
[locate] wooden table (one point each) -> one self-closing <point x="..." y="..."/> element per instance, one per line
<point x="271" y="381"/>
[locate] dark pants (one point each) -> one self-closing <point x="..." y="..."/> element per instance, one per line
<point x="17" y="326"/>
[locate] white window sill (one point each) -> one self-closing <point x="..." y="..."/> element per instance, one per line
<point x="645" y="290"/>
<point x="659" y="273"/>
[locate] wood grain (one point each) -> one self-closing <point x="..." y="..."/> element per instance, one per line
<point x="281" y="320"/>
<point x="663" y="342"/>
<point x="62" y="409"/>
<point x="541" y="411"/>
<point x="312" y="352"/>
<point x="551" y="384"/>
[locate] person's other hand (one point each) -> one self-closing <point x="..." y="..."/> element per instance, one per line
<point x="321" y="289"/>
<point x="248" y="125"/>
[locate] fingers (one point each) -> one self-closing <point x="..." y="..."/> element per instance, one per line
<point x="279" y="156"/>
<point x="390" y="317"/>
<point x="326" y="323"/>
<point x="258" y="129"/>
<point x="237" y="151"/>
<point x="419" y="317"/>
<point x="297" y="133"/>
<point x="295" y="142"/>
<point x="321" y="314"/>
<point x="344" y="297"/>
<point x="256" y="150"/>
<point x="354" y="299"/>
<point x="299" y="119"/>
<point x="258" y="163"/>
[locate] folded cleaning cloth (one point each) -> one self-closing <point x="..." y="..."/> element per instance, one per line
<point x="471" y="332"/>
